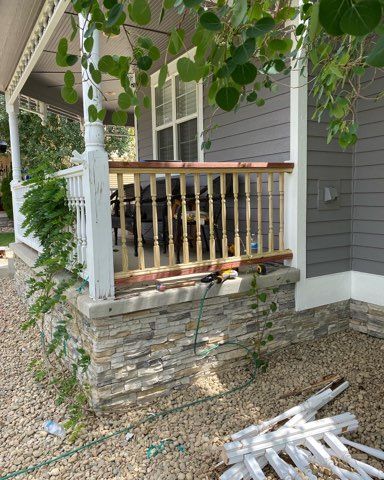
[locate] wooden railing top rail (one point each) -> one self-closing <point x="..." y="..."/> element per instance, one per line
<point x="209" y="167"/>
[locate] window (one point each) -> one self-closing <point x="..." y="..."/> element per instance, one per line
<point x="176" y="119"/>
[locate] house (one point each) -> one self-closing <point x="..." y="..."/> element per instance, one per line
<point x="282" y="195"/>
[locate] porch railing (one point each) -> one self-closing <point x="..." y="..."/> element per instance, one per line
<point x="19" y="192"/>
<point x="177" y="218"/>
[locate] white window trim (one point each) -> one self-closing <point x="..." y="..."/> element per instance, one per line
<point x="172" y="73"/>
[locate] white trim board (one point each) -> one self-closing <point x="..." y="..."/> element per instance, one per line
<point x="367" y="287"/>
<point x="318" y="291"/>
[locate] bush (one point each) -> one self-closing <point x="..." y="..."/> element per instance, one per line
<point x="6" y="196"/>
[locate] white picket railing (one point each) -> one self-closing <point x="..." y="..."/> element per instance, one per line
<point x="19" y="192"/>
<point x="76" y="202"/>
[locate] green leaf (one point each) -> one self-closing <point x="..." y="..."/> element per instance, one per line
<point x="261" y="27"/>
<point x="331" y="13"/>
<point x="101" y="114"/>
<point x="92" y="113"/>
<point x="227" y="98"/>
<point x="314" y="21"/>
<point x="140" y="12"/>
<point x="270" y="338"/>
<point x="145" y="42"/>
<point x="189" y="70"/>
<point x="114" y="15"/>
<point x="273" y="306"/>
<point x="74" y="28"/>
<point x="239" y="11"/>
<point x="243" y="53"/>
<point x="154" y="53"/>
<point x="119" y="118"/>
<point x="124" y="101"/>
<point x="192" y="3"/>
<point x="176" y="41"/>
<point x="62" y="48"/>
<point x="167" y="4"/>
<point x="69" y="78"/>
<point x="361" y="18"/>
<point x="88" y="44"/>
<point x="210" y="21"/>
<point x="144" y="62"/>
<point x="69" y="94"/>
<point x="96" y="75"/>
<point x="262" y="297"/>
<point x="90" y="92"/>
<point x="376" y="56"/>
<point x="244" y="74"/>
<point x="109" y="3"/>
<point x="71" y="60"/>
<point x="162" y="75"/>
<point x="280" y="45"/>
<point x="251" y="97"/>
<point x="147" y="101"/>
<point x="106" y="63"/>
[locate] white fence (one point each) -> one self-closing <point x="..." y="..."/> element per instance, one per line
<point x="18" y="198"/>
<point x="76" y="201"/>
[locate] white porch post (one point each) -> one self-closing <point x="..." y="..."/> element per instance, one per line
<point x="96" y="190"/>
<point x="296" y="183"/>
<point x="13" y="113"/>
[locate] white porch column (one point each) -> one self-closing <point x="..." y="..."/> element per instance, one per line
<point x="13" y="120"/>
<point x="296" y="183"/>
<point x="96" y="191"/>
<point x="13" y="113"/>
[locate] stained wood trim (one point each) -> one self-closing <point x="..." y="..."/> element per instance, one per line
<point x="204" y="266"/>
<point x="172" y="166"/>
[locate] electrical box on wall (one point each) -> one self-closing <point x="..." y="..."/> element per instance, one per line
<point x="328" y="194"/>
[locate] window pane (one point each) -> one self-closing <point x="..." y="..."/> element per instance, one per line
<point x="187" y="138"/>
<point x="163" y="103"/>
<point x="185" y="98"/>
<point x="165" y="145"/>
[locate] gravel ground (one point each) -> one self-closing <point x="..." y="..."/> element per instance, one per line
<point x="195" y="434"/>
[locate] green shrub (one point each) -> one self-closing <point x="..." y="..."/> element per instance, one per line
<point x="6" y="196"/>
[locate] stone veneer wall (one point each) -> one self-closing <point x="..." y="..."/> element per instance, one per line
<point x="367" y="318"/>
<point x="136" y="357"/>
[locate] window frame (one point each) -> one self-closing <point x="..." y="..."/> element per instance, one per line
<point x="172" y="74"/>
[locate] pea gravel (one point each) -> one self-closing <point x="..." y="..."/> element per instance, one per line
<point x="195" y="435"/>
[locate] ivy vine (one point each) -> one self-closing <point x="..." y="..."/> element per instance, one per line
<point x="50" y="220"/>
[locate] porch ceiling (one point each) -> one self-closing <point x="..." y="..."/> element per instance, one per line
<point x="17" y="19"/>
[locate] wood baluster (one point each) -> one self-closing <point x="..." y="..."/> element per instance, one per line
<point x="259" y="186"/>
<point x="281" y="211"/>
<point x="183" y="191"/>
<point x="83" y="232"/>
<point x="155" y="223"/>
<point x="270" y="213"/>
<point x="140" y="249"/>
<point x="248" y="212"/>
<point x="199" y="249"/>
<point x="236" y="212"/>
<point x="72" y="207"/>
<point x="212" y="246"/>
<point x="123" y="231"/>
<point x="171" y="245"/>
<point x="223" y="190"/>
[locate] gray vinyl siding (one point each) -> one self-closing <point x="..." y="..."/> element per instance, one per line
<point x="329" y="232"/>
<point x="144" y="133"/>
<point x="368" y="183"/>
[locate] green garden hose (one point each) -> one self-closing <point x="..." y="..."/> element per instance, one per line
<point x="155" y="416"/>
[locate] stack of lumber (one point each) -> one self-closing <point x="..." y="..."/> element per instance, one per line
<point x="295" y="440"/>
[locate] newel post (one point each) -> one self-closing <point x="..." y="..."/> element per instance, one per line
<point x="13" y="119"/>
<point x="96" y="189"/>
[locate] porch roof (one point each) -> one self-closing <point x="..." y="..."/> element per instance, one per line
<point x="17" y="23"/>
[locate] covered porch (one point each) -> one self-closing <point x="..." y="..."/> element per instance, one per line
<point x="140" y="221"/>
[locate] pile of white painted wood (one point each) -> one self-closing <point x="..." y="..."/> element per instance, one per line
<point x="293" y="441"/>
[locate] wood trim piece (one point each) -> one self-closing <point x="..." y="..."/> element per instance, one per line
<point x="204" y="266"/>
<point x="163" y="167"/>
